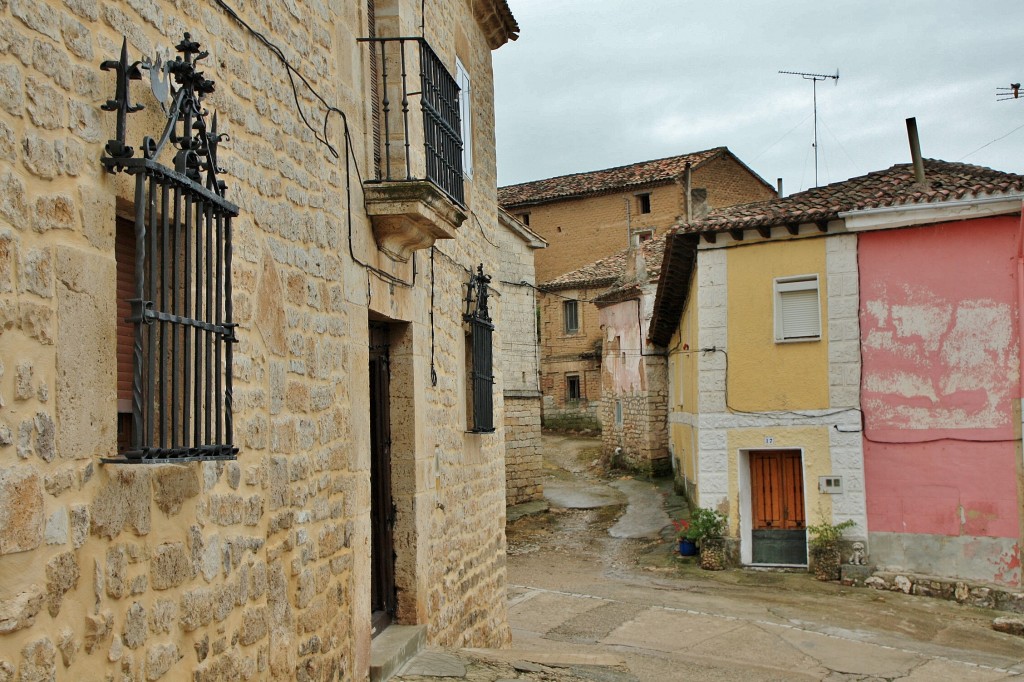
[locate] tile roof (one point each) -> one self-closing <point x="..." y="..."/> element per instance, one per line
<point x="608" y="271"/>
<point x="895" y="186"/>
<point x="610" y="179"/>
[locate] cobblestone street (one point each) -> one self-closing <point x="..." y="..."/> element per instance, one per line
<point x="585" y="605"/>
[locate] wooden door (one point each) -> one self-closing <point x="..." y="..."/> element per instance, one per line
<point x="777" y="507"/>
<point x="382" y="508"/>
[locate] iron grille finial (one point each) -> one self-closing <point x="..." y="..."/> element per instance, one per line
<point x="476" y="296"/>
<point x="186" y="127"/>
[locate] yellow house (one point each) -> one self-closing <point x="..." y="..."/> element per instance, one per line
<point x="763" y="418"/>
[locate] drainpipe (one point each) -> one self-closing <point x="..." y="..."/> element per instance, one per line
<point x="915" y="150"/>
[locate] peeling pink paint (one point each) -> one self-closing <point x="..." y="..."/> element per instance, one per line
<point x="941" y="373"/>
<point x="1008" y="571"/>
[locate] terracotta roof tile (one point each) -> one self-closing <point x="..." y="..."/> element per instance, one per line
<point x="894" y="186"/>
<point x="608" y="271"/>
<point x="596" y="182"/>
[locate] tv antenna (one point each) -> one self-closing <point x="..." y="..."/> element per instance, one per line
<point x="814" y="78"/>
<point x="1012" y="92"/>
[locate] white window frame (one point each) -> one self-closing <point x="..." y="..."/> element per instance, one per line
<point x="643" y="235"/>
<point x="787" y="285"/>
<point x="465" y="116"/>
<point x="575" y="306"/>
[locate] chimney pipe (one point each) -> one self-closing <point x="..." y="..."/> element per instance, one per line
<point x="689" y="193"/>
<point x="779" y="183"/>
<point x="915" y="150"/>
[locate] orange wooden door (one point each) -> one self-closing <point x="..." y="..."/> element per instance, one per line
<point x="777" y="490"/>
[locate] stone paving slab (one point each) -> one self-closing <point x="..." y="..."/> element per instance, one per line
<point x="546" y="610"/>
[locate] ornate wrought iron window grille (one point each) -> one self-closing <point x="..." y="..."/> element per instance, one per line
<point x="481" y="330"/>
<point x="439" y="101"/>
<point x="182" y="309"/>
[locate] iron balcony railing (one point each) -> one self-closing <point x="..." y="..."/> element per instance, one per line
<point x="396" y="141"/>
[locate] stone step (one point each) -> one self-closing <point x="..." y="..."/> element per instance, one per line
<point x="391" y="649"/>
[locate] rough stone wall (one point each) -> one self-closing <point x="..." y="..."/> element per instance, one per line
<point x="640" y="442"/>
<point x="523" y="456"/>
<point x="635" y="375"/>
<point x="259" y="568"/>
<point x="521" y="369"/>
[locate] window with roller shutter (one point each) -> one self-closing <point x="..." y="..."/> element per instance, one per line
<point x="797" y="309"/>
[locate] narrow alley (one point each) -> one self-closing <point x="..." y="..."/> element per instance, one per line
<point x="596" y="592"/>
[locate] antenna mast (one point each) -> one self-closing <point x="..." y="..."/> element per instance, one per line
<point x="814" y="78"/>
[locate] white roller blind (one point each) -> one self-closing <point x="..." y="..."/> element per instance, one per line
<point x="798" y="313"/>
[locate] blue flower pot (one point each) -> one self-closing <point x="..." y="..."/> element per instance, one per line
<point x="687" y="548"/>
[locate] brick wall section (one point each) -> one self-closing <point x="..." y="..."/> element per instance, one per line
<point x="560" y="356"/>
<point x="580" y="231"/>
<point x="257" y="568"/>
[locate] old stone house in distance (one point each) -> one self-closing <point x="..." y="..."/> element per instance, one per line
<point x="588" y="216"/>
<point x="251" y="373"/>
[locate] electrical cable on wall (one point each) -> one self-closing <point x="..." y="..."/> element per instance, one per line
<point x="292" y="74"/>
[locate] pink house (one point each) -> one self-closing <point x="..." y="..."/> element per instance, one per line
<point x="940" y="317"/>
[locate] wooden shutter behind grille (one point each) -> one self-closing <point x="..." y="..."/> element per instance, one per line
<point x="124" y="254"/>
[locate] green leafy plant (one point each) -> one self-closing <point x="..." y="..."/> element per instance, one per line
<point x="706" y="523"/>
<point x="827" y="534"/>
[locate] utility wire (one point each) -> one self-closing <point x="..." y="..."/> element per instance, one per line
<point x="1002" y="137"/>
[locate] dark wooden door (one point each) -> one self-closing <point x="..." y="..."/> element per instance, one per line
<point x="382" y="509"/>
<point x="777" y="507"/>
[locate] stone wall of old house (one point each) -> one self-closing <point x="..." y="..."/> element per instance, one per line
<point x="523" y="454"/>
<point x="257" y="568"/>
<point x="634" y="388"/>
<point x="520" y="364"/>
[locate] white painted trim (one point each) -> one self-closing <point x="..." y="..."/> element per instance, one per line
<point x="888" y="217"/>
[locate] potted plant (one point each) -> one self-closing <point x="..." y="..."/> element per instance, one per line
<point x="687" y="547"/>
<point x="824" y="548"/>
<point x="707" y="528"/>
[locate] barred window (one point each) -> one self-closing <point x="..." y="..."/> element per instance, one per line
<point x="175" y="329"/>
<point x="479" y="355"/>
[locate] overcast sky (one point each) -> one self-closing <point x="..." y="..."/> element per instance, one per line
<point x="592" y="84"/>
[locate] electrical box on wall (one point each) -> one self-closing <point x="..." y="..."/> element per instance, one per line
<point x="831" y="485"/>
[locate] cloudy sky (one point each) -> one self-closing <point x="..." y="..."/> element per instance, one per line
<point x="592" y="84"/>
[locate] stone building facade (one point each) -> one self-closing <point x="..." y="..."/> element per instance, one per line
<point x="260" y="566"/>
<point x="521" y="362"/>
<point x="596" y="215"/>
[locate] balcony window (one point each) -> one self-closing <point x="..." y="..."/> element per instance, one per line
<point x="435" y="151"/>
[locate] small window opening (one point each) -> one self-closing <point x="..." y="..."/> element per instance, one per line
<point x="572" y="388"/>
<point x="643" y="203"/>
